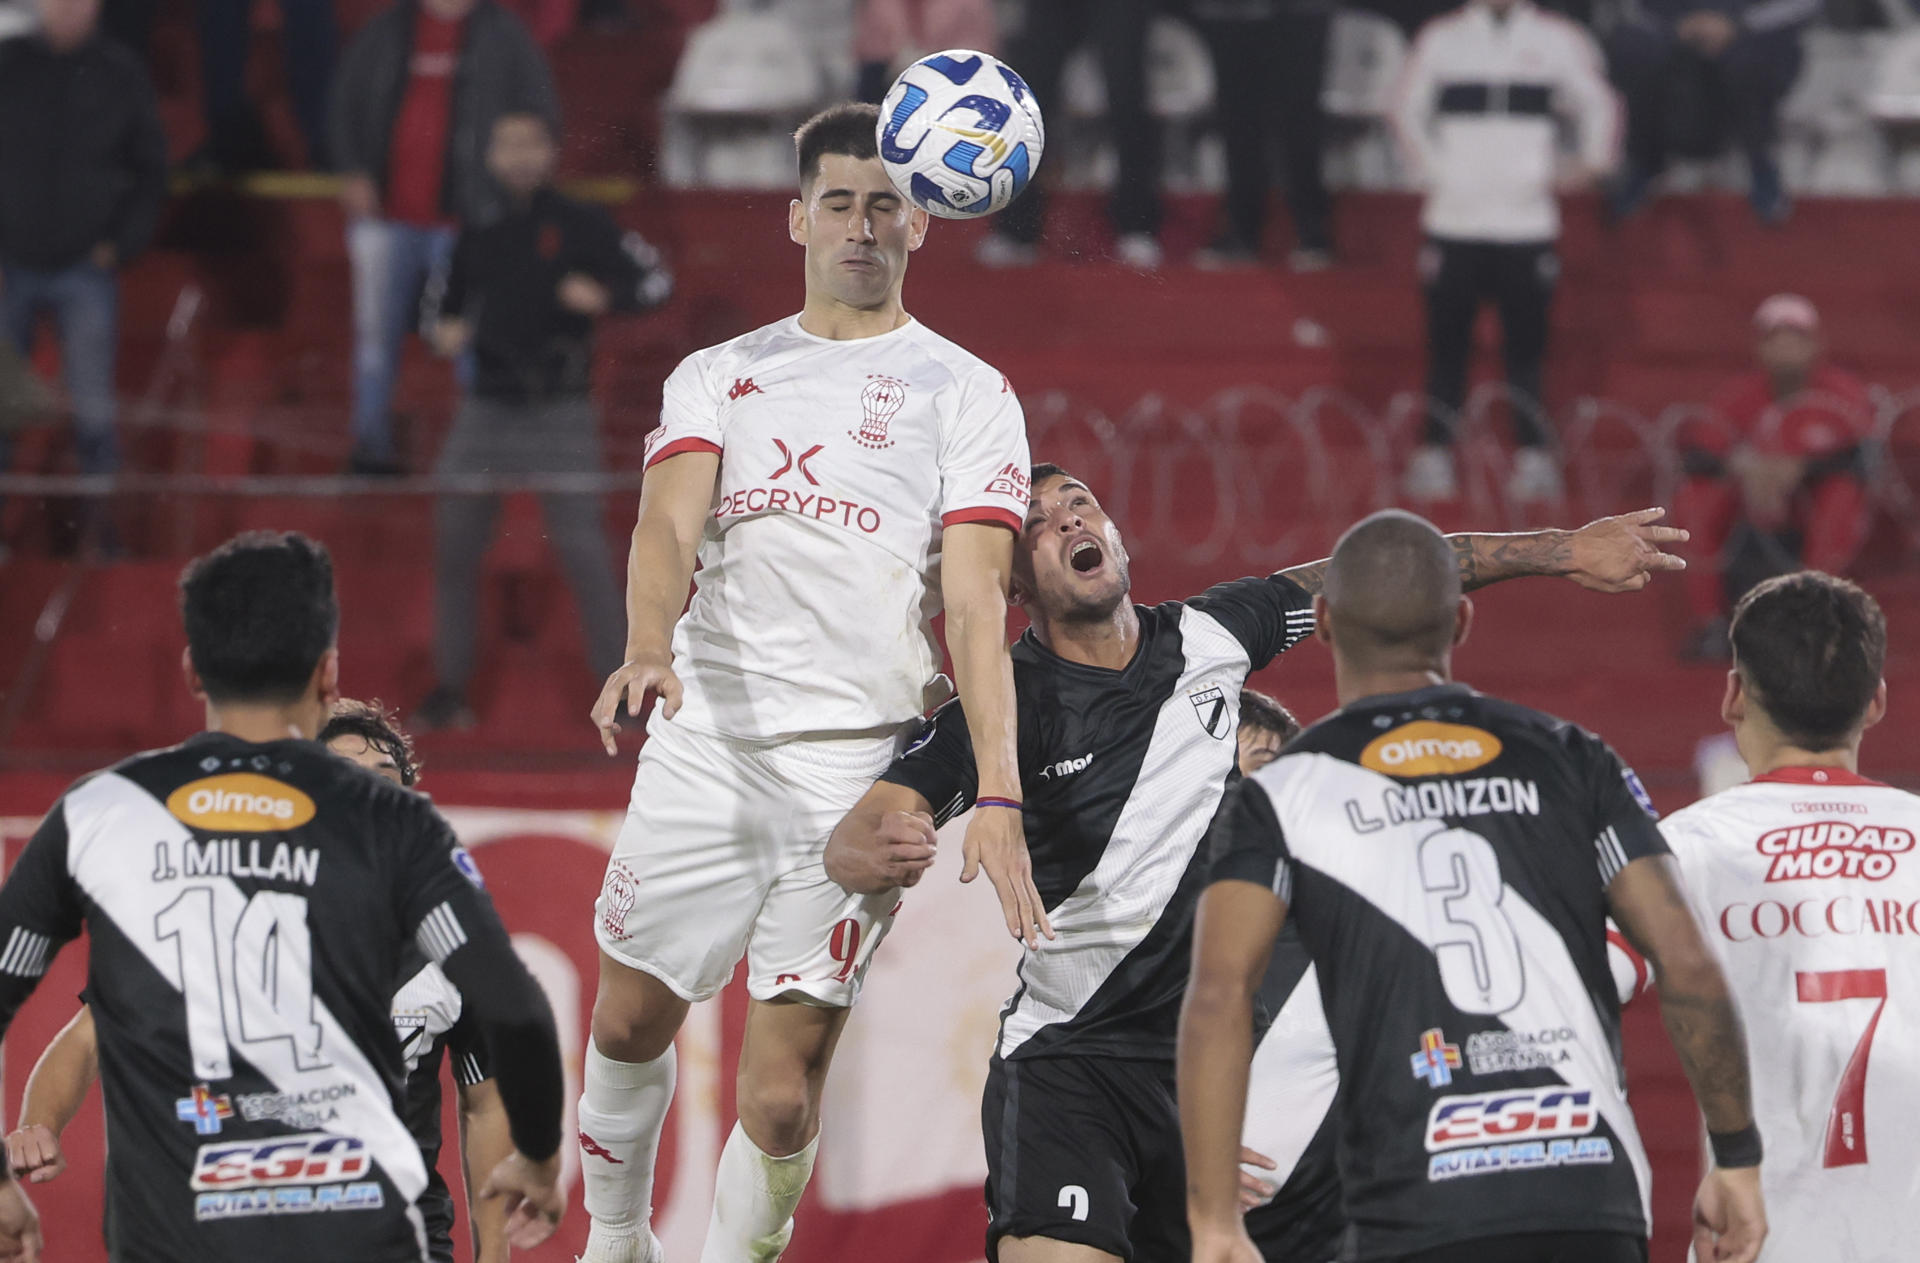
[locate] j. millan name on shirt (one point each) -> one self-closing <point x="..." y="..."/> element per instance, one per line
<point x="239" y="803"/>
<point x="1429" y="749"/>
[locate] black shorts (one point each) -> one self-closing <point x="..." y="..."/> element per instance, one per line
<point x="1087" y="1150"/>
<point x="1540" y="1247"/>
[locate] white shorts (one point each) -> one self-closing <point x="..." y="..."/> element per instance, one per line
<point x="720" y="856"/>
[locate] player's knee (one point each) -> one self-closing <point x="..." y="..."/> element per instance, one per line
<point x="780" y="1112"/>
<point x="633" y="1028"/>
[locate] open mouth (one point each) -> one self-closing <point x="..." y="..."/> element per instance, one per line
<point x="1084" y="556"/>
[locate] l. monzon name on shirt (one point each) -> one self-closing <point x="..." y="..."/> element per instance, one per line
<point x="1425" y="748"/>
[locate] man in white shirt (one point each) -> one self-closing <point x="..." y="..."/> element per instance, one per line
<point x="1808" y="886"/>
<point x="1476" y="113"/>
<point x="838" y="475"/>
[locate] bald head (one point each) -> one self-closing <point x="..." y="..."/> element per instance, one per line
<point x="1393" y="590"/>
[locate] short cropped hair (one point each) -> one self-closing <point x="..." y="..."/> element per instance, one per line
<point x="379" y="728"/>
<point x="259" y="612"/>
<point x="1811" y="648"/>
<point x="1266" y="714"/>
<point x="849" y="129"/>
<point x="1047" y="469"/>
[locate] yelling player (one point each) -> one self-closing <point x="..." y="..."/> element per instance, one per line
<point x="1808" y="884"/>
<point x="1128" y="723"/>
<point x="839" y="476"/>
<point x="429" y="1018"/>
<point x="1451" y="859"/>
<point x="247" y="897"/>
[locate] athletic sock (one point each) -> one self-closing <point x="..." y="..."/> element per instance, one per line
<point x="622" y="1106"/>
<point x="753" y="1200"/>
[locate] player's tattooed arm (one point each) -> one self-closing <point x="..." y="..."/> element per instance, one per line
<point x="1612" y="554"/>
<point x="1696" y="1004"/>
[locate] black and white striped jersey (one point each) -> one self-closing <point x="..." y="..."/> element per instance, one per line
<point x="1121" y="772"/>
<point x="247" y="907"/>
<point x="434" y="1025"/>
<point x="1446" y="858"/>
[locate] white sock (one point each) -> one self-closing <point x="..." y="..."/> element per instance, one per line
<point x="753" y="1200"/>
<point x="622" y="1107"/>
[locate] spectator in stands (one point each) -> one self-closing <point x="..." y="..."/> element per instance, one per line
<point x="887" y="32"/>
<point x="1700" y="73"/>
<point x="1775" y="478"/>
<point x="1269" y="65"/>
<point x="1475" y="113"/>
<point x="413" y="108"/>
<point x="83" y="171"/>
<point x="1052" y="29"/>
<point x="523" y="294"/>
<point x="236" y="140"/>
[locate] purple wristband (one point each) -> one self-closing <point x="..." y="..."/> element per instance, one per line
<point x="996" y="802"/>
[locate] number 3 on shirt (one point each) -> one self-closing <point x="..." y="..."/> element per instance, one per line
<point x="259" y="989"/>
<point x="1847" y="1124"/>
<point x="1472" y="939"/>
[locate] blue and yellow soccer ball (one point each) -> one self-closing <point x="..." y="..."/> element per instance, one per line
<point x="960" y="134"/>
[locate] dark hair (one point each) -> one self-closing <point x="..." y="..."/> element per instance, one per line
<point x="848" y="129"/>
<point x="1266" y="714"/>
<point x="1045" y="470"/>
<point x="379" y="728"/>
<point x="260" y="613"/>
<point x="1810" y="647"/>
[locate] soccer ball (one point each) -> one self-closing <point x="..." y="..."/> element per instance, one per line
<point x="960" y="134"/>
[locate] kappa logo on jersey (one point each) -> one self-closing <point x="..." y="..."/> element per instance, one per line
<point x="880" y="401"/>
<point x="1425" y="748"/>
<point x="315" y="1157"/>
<point x="617" y="895"/>
<point x="1530" y="1112"/>
<point x="204" y="1110"/>
<point x="789" y="461"/>
<point x="742" y="387"/>
<point x="1210" y="704"/>
<point x="240" y="802"/>
<point x="1437" y="1059"/>
<point x="1833" y="848"/>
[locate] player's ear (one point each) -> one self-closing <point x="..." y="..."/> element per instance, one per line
<point x="1877" y="708"/>
<point x="326" y="679"/>
<point x="1733" y="706"/>
<point x="797" y="221"/>
<point x="918" y="221"/>
<point x="1322" y="620"/>
<point x="1462" y="621"/>
<point x="195" y="689"/>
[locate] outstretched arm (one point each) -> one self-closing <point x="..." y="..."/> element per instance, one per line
<point x="55" y="1091"/>
<point x="1233" y="939"/>
<point x="486" y="1140"/>
<point x="1613" y="554"/>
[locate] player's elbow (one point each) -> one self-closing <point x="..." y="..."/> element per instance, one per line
<point x="1215" y="997"/>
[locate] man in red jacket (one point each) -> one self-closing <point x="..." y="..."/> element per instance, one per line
<point x="1774" y="476"/>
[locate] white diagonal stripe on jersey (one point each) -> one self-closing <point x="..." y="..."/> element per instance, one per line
<point x="1182" y="777"/>
<point x="1308" y="792"/>
<point x="1292" y="1082"/>
<point x="102" y="815"/>
<point x="441" y="934"/>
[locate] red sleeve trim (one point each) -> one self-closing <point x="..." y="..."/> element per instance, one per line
<point x="1640" y="970"/>
<point x="984" y="513"/>
<point x="678" y="446"/>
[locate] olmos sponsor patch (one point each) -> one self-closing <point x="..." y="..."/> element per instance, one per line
<point x="1427" y="748"/>
<point x="240" y="802"/>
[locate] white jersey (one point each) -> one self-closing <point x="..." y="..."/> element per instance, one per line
<point x="1476" y="112"/>
<point x="840" y="463"/>
<point x="1808" y="885"/>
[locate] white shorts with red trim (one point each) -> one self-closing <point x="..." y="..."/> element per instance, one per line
<point x="720" y="857"/>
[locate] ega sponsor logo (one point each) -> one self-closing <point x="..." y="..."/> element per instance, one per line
<point x="1425" y="748"/>
<point x="240" y="802"/>
<point x="1522" y="1130"/>
<point x="307" y="1158"/>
